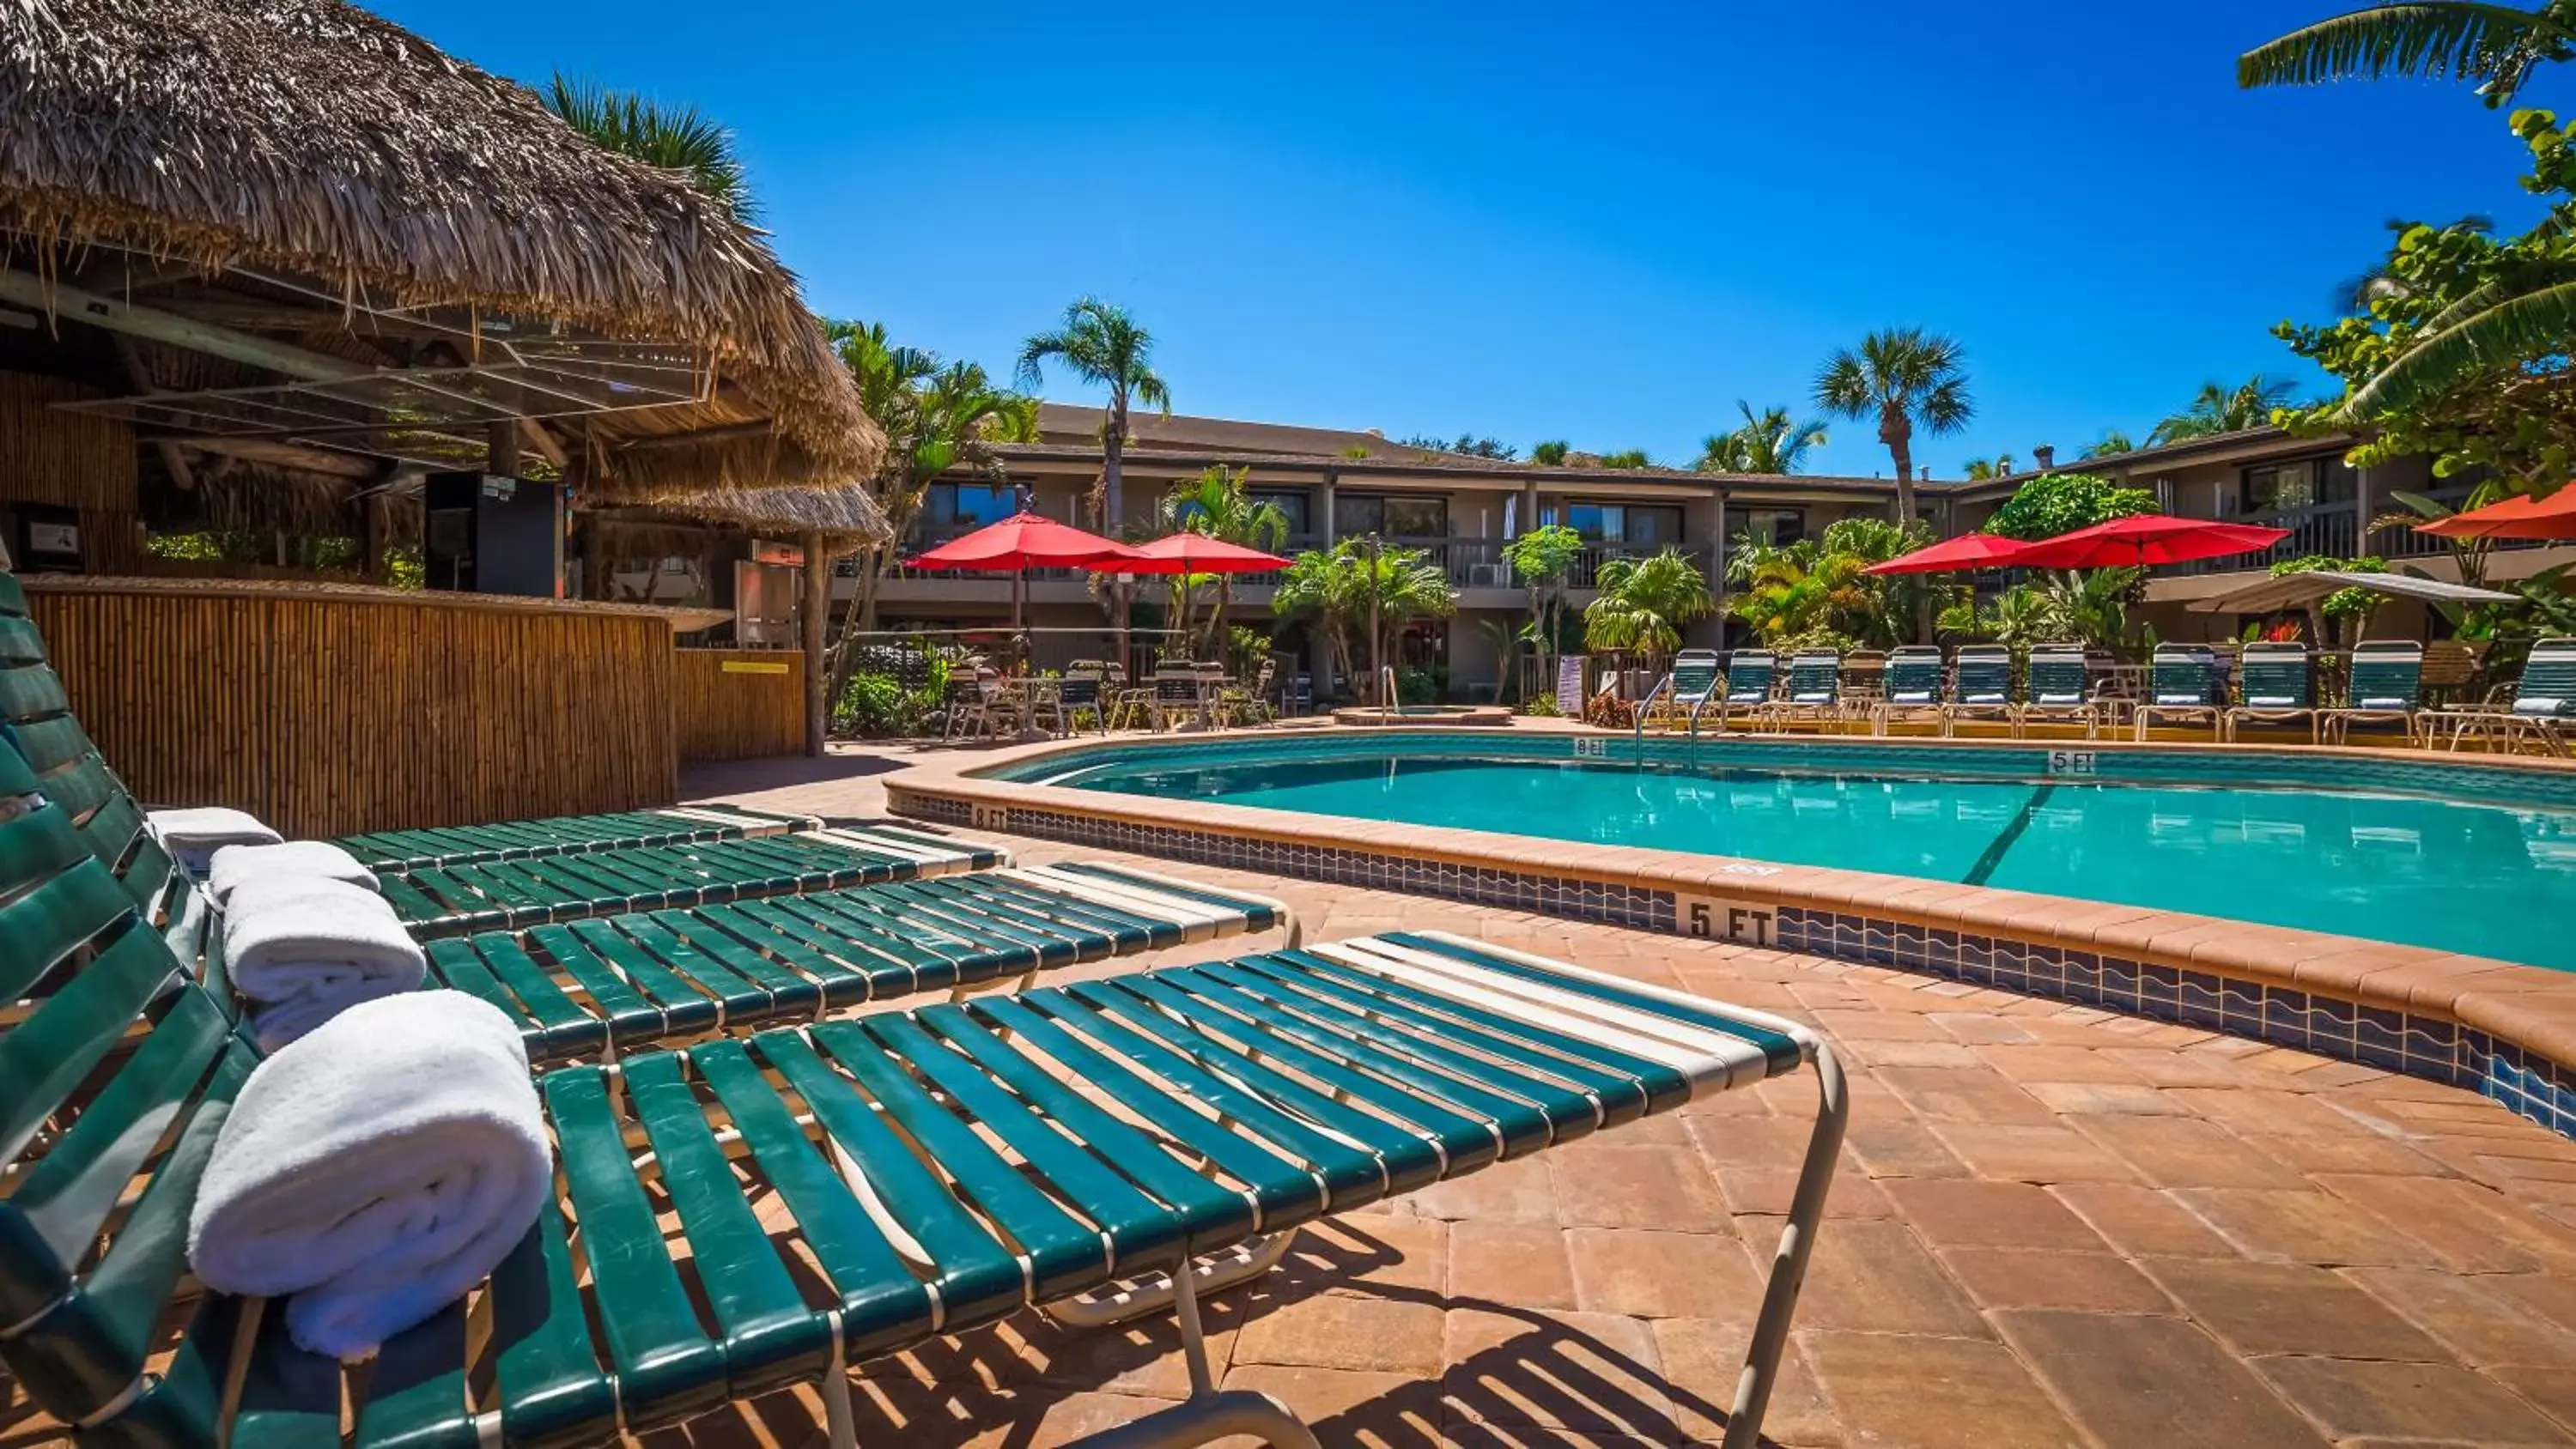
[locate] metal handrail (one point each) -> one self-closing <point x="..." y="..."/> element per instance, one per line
<point x="1645" y="707"/>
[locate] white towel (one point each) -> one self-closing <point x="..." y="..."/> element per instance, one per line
<point x="304" y="948"/>
<point x="375" y="1170"/>
<point x="193" y="835"/>
<point x="237" y="864"/>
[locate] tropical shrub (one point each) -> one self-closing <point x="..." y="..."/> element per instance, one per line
<point x="2055" y="503"/>
<point x="1644" y="603"/>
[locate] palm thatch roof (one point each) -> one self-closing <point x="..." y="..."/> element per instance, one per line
<point x="310" y="137"/>
<point x="847" y="518"/>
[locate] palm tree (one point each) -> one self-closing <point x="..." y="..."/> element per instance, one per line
<point x="1550" y="454"/>
<point x="935" y="418"/>
<point x="1900" y="379"/>
<point x="1103" y="345"/>
<point x="674" y="138"/>
<point x="1215" y="503"/>
<point x="1644" y="603"/>
<point x="1981" y="469"/>
<point x="2218" y="408"/>
<point x="1765" y="442"/>
<point x="2471" y="40"/>
<point x="2112" y="441"/>
<point x="1356" y="582"/>
<point x="1542" y="559"/>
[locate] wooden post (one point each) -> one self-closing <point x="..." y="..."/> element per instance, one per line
<point x="817" y="611"/>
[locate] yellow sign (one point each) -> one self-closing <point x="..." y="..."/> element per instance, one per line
<point x="754" y="666"/>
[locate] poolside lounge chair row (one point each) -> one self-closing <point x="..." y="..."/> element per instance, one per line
<point x="2276" y="687"/>
<point x="1101" y="1150"/>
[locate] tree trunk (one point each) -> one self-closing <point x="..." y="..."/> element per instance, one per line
<point x="818" y="609"/>
<point x="1898" y="434"/>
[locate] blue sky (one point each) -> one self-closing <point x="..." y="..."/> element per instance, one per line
<point x="1602" y="223"/>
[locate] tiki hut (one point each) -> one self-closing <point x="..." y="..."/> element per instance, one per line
<point x="301" y="254"/>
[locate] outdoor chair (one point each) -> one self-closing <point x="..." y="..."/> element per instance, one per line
<point x="1983" y="688"/>
<point x="567" y="835"/>
<point x="1102" y="1150"/>
<point x="2183" y="686"/>
<point x="1176" y="695"/>
<point x="1751" y="674"/>
<point x="2543" y="708"/>
<point x="1695" y="682"/>
<point x="504" y="894"/>
<point x="1815" y="688"/>
<point x="2058" y="690"/>
<point x="2386" y="685"/>
<point x="2278" y="687"/>
<point x="2450" y="669"/>
<point x="1080" y="693"/>
<point x="1864" y="679"/>
<point x="1913" y="690"/>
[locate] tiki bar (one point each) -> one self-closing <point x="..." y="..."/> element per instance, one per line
<point x="384" y="466"/>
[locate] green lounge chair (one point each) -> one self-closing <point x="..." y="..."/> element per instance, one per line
<point x="1815" y="688"/>
<point x="454" y="900"/>
<point x="926" y="1171"/>
<point x="1751" y="675"/>
<point x="567" y="834"/>
<point x="2543" y="708"/>
<point x="2059" y="690"/>
<point x="1913" y="690"/>
<point x="1984" y="689"/>
<point x="2387" y="684"/>
<point x="616" y="983"/>
<point x="2279" y="687"/>
<point x="1689" y="689"/>
<point x="2182" y="685"/>
<point x="483" y="892"/>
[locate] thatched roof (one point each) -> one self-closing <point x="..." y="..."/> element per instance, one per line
<point x="847" y="517"/>
<point x="310" y="137"/>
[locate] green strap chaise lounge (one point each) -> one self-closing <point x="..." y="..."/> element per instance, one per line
<point x="1092" y="1149"/>
<point x="1751" y="675"/>
<point x="2059" y="690"/>
<point x="1984" y="689"/>
<point x="455" y="896"/>
<point x="614" y="983"/>
<point x="2279" y="687"/>
<point x="385" y="850"/>
<point x="1913" y="690"/>
<point x="2386" y="686"/>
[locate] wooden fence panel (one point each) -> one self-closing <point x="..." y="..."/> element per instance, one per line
<point x="739" y="704"/>
<point x="329" y="715"/>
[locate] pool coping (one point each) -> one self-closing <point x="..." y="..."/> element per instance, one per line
<point x="2507" y="1030"/>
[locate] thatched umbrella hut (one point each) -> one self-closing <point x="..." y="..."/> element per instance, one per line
<point x="278" y="214"/>
<point x="270" y="262"/>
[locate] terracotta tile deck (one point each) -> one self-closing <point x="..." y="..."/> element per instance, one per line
<point x="2053" y="1226"/>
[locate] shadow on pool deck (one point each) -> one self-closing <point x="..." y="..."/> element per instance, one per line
<point x="2053" y="1225"/>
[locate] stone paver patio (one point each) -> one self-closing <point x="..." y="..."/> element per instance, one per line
<point x="2053" y="1225"/>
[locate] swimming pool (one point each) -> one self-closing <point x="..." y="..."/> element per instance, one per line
<point x="2460" y="857"/>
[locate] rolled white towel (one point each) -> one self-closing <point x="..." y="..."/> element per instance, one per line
<point x="235" y="865"/>
<point x="193" y="835"/>
<point x="376" y="1170"/>
<point x="304" y="948"/>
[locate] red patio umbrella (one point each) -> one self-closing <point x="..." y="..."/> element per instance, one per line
<point x="2147" y="538"/>
<point x="2521" y="516"/>
<point x="1019" y="543"/>
<point x="1195" y="553"/>
<point x="1967" y="552"/>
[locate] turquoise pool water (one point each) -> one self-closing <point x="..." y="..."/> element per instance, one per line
<point x="2482" y="875"/>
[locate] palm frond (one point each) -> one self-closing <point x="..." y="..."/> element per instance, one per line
<point x="673" y="138"/>
<point x="2459" y="39"/>
<point x="2520" y="329"/>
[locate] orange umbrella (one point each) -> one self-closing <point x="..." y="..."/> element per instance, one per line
<point x="2521" y="516"/>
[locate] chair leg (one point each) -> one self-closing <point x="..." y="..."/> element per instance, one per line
<point x="1789" y="1261"/>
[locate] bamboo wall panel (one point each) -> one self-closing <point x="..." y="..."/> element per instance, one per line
<point x="68" y="460"/>
<point x="739" y="704"/>
<point x="327" y="716"/>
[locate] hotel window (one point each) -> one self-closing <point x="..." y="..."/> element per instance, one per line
<point x="1291" y="503"/>
<point x="1778" y="527"/>
<point x="1629" y="525"/>
<point x="1391" y="517"/>
<point x="959" y="507"/>
<point x="2300" y="484"/>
